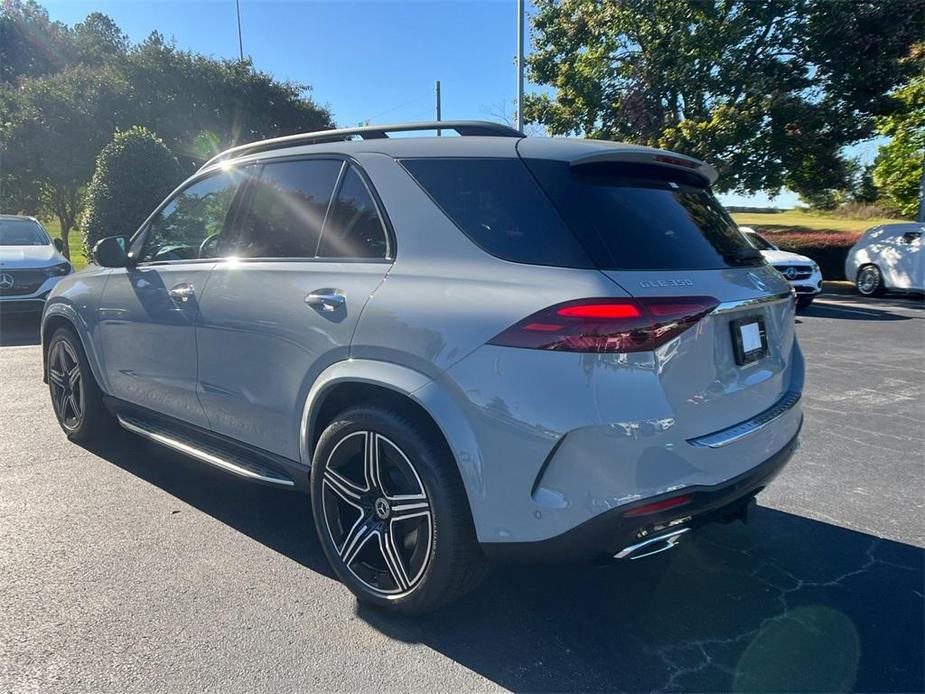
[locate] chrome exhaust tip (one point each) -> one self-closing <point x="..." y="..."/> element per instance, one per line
<point x="653" y="545"/>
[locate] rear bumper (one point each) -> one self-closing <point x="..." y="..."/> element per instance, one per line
<point x="603" y="536"/>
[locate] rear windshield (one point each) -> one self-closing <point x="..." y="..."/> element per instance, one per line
<point x="500" y="207"/>
<point x="642" y="217"/>
<point x="21" y="232"/>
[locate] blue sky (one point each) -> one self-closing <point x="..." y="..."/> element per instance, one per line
<point x="366" y="60"/>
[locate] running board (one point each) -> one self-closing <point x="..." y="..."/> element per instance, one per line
<point x="203" y="452"/>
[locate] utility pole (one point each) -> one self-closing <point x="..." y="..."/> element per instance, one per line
<point x="520" y="65"/>
<point x="237" y="7"/>
<point x="437" y="95"/>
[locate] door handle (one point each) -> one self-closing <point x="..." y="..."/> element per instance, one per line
<point x="327" y="300"/>
<point x="182" y="292"/>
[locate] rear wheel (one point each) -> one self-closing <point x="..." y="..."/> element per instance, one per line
<point x="391" y="513"/>
<point x="75" y="396"/>
<point x="870" y="281"/>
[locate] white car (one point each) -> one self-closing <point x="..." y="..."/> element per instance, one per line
<point x="30" y="264"/>
<point x="803" y="273"/>
<point x="888" y="257"/>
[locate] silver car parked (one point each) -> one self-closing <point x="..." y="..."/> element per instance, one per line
<point x="464" y="348"/>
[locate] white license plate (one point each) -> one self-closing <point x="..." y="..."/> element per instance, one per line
<point x="749" y="339"/>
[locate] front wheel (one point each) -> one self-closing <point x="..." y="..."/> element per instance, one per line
<point x="391" y="512"/>
<point x="75" y="396"/>
<point x="870" y="281"/>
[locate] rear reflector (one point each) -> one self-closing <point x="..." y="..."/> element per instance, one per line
<point x="657" y="506"/>
<point x="607" y="325"/>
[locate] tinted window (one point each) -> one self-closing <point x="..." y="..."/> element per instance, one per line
<point x="287" y="209"/>
<point x="497" y="204"/>
<point x="354" y="229"/>
<point x="191" y="224"/>
<point x="21" y="232"/>
<point x="638" y="217"/>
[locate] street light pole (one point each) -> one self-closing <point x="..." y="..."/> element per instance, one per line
<point x="520" y="65"/>
<point x="237" y="7"/>
<point x="437" y="97"/>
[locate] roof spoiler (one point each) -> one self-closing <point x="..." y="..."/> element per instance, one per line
<point x="647" y="155"/>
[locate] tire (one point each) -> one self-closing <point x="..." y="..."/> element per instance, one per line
<point x="398" y="533"/>
<point x="804" y="302"/>
<point x="75" y="396"/>
<point x="870" y="281"/>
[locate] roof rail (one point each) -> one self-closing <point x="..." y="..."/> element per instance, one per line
<point x="368" y="132"/>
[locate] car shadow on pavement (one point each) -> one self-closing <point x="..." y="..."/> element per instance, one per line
<point x="279" y="519"/>
<point x="786" y="604"/>
<point x="17" y="329"/>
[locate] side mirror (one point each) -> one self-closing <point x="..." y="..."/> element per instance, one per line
<point x="110" y="252"/>
<point x="911" y="236"/>
<point x="59" y="244"/>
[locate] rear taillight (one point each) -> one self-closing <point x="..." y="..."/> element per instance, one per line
<point x="607" y="325"/>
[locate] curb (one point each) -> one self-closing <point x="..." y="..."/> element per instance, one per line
<point x="838" y="287"/>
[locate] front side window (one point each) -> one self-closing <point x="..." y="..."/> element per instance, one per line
<point x="287" y="209"/>
<point x="22" y="232"/>
<point x="190" y="225"/>
<point x="353" y="229"/>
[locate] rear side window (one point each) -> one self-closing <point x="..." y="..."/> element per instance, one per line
<point x="643" y="217"/>
<point x="500" y="207"/>
<point x="353" y="229"/>
<point x="287" y="209"/>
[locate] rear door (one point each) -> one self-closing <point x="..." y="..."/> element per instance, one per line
<point x="658" y="232"/>
<point x="312" y="249"/>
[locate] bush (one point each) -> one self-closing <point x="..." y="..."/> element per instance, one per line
<point x="828" y="248"/>
<point x="134" y="173"/>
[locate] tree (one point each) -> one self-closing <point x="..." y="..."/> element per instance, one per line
<point x="768" y="91"/>
<point x="898" y="168"/>
<point x="52" y="131"/>
<point x="201" y="106"/>
<point x="134" y="173"/>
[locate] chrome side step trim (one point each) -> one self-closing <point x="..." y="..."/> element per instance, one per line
<point x="729" y="306"/>
<point x="654" y="545"/>
<point x="724" y="437"/>
<point x="139" y="428"/>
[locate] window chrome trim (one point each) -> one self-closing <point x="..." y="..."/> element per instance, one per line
<point x="737" y="432"/>
<point x="730" y="306"/>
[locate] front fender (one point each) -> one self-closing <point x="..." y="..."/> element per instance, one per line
<point x="58" y="308"/>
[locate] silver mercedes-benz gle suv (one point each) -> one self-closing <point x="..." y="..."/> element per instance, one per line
<point x="463" y="348"/>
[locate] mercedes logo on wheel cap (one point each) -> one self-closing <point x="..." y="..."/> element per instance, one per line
<point x="382" y="508"/>
<point x="6" y="281"/>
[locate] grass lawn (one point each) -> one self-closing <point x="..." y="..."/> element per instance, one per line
<point x="797" y="221"/>
<point x="78" y="259"/>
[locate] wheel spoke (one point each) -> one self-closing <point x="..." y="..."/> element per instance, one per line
<point x="75" y="406"/>
<point x="371" y="468"/>
<point x="393" y="559"/>
<point x="56" y="377"/>
<point x="62" y="359"/>
<point x="358" y="536"/>
<point x="342" y="487"/>
<point x="73" y="376"/>
<point x="409" y="506"/>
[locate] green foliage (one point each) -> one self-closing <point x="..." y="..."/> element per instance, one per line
<point x="64" y="91"/>
<point x="898" y="167"/>
<point x="134" y="173"/>
<point x="769" y="92"/>
<point x="51" y="133"/>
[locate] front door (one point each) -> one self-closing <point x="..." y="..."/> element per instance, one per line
<point x="286" y="308"/>
<point x="148" y="312"/>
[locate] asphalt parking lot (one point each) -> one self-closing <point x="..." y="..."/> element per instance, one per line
<point x="127" y="568"/>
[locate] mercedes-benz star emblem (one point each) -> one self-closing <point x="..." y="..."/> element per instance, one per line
<point x="6" y="281"/>
<point x="790" y="273"/>
<point x="382" y="508"/>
